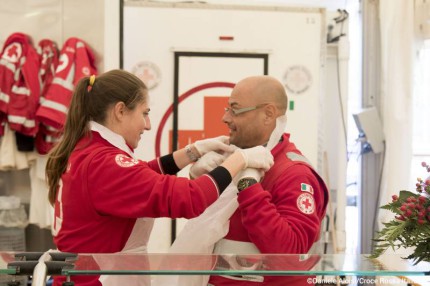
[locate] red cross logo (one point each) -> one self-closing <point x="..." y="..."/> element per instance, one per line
<point x="124" y="161"/>
<point x="147" y="75"/>
<point x="306" y="203"/>
<point x="148" y="72"/>
<point x="13" y="52"/>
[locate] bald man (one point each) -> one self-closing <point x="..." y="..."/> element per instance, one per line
<point x="282" y="212"/>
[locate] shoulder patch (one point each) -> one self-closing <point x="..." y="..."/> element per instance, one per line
<point x="306" y="203"/>
<point x="306" y="188"/>
<point x="297" y="157"/>
<point x="125" y="161"/>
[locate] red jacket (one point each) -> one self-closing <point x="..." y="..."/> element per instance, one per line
<point x="104" y="190"/>
<point x="19" y="84"/>
<point x="76" y="61"/>
<point x="283" y="214"/>
<point x="47" y="135"/>
<point x="48" y="53"/>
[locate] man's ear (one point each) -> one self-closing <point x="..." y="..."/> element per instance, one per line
<point x="270" y="113"/>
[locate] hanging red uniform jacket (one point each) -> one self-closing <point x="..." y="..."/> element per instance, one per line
<point x="9" y="65"/>
<point x="48" y="52"/>
<point x="76" y="61"/>
<point x="19" y="84"/>
<point x="47" y="49"/>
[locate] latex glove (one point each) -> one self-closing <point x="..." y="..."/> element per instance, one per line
<point x="213" y="144"/>
<point x="257" y="157"/>
<point x="257" y="174"/>
<point x="206" y="163"/>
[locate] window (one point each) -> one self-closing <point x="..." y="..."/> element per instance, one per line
<point x="421" y="108"/>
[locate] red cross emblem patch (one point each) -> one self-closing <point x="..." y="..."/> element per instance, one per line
<point x="12" y="52"/>
<point x="124" y="161"/>
<point x="306" y="203"/>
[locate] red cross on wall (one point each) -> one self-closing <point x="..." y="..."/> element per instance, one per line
<point x="212" y="122"/>
<point x="146" y="76"/>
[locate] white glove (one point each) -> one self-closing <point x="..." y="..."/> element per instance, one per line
<point x="206" y="163"/>
<point x="249" y="173"/>
<point x="257" y="157"/>
<point x="213" y="144"/>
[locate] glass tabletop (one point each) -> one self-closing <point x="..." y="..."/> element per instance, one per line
<point x="231" y="264"/>
<point x="5" y="259"/>
<point x="255" y="264"/>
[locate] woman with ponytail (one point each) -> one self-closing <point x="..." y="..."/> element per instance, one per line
<point x="104" y="198"/>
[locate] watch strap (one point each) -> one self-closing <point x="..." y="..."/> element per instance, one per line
<point x="191" y="155"/>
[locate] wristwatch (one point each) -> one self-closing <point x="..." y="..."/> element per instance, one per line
<point x="245" y="183"/>
<point x="190" y="153"/>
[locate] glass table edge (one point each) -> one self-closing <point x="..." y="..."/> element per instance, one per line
<point x="68" y="272"/>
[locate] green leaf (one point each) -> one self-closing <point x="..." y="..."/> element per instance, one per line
<point x="408" y="234"/>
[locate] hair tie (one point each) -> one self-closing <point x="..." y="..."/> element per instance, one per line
<point x="92" y="80"/>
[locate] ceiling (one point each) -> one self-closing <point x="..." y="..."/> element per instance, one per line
<point x="328" y="4"/>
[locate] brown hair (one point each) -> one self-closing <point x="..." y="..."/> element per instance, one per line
<point x="91" y="102"/>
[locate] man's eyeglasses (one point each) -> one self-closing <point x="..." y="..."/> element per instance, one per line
<point x="237" y="111"/>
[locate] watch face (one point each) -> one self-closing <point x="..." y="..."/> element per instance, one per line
<point x="241" y="185"/>
<point x="245" y="183"/>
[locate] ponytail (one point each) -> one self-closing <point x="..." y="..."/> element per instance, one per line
<point x="75" y="128"/>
